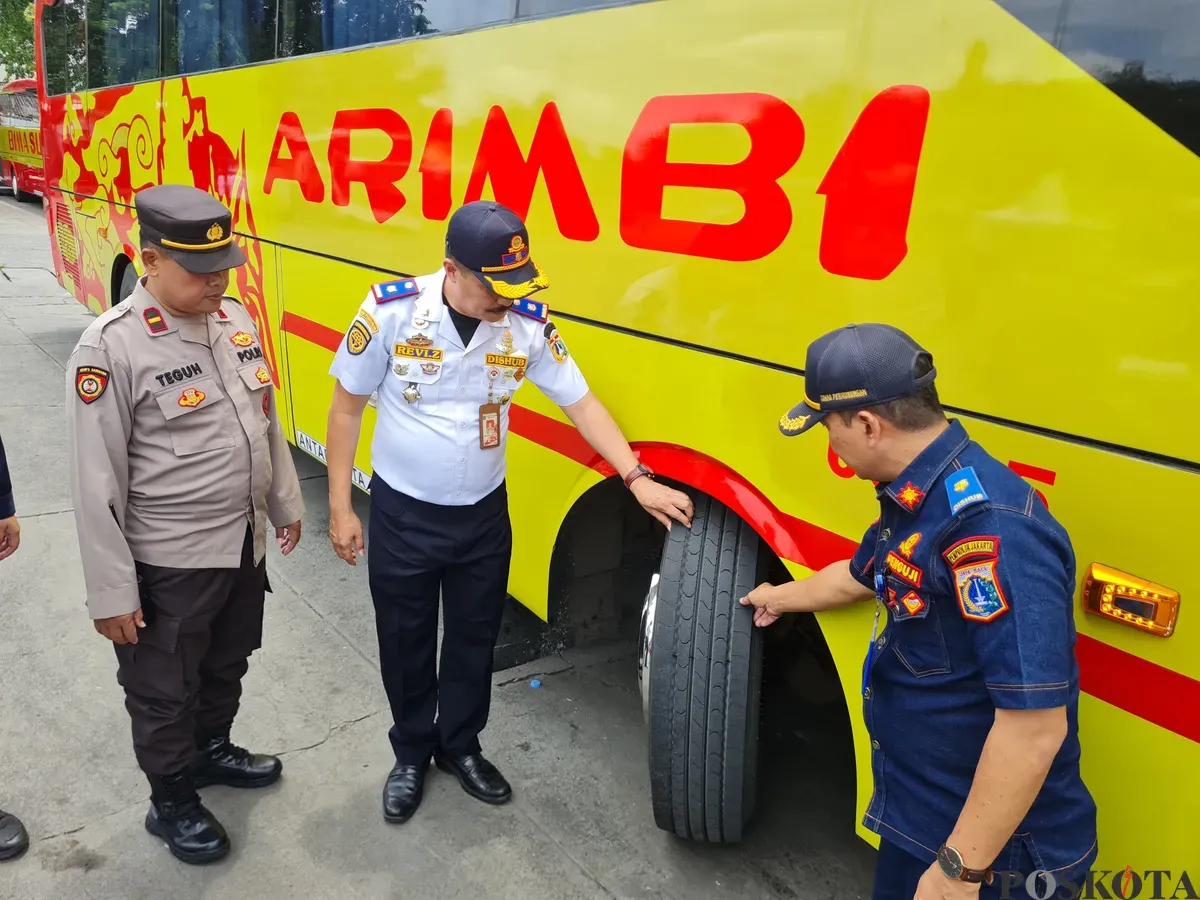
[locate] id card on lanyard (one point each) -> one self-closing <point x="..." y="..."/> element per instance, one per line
<point x="879" y="601"/>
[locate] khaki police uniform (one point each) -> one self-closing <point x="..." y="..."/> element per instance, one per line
<point x="178" y="464"/>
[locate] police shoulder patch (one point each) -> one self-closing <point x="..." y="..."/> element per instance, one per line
<point x="977" y="588"/>
<point x="533" y="309"/>
<point x="357" y="338"/>
<point x="395" y="290"/>
<point x="963" y="489"/>
<point x="90" y="382"/>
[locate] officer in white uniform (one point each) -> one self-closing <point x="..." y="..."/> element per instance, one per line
<point x="446" y="353"/>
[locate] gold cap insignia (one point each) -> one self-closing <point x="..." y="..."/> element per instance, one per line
<point x="517" y="244"/>
<point x="216" y="232"/>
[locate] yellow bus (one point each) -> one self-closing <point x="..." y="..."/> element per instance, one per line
<point x="709" y="186"/>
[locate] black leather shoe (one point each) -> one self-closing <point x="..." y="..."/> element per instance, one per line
<point x="176" y="815"/>
<point x="218" y="761"/>
<point x="478" y="777"/>
<point x="14" y="840"/>
<point x="403" y="791"/>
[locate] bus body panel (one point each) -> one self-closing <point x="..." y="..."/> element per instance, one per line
<point x="1041" y="258"/>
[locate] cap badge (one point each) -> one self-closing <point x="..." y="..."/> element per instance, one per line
<point x="516" y="245"/>
<point x="216" y="232"/>
<point x="191" y="398"/>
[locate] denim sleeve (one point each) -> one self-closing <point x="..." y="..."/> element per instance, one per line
<point x="863" y="561"/>
<point x="1012" y="578"/>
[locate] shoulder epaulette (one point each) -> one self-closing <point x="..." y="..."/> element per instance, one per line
<point x="533" y="309"/>
<point x="395" y="290"/>
<point x="963" y="489"/>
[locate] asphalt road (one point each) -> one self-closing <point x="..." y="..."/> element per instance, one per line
<point x="580" y="825"/>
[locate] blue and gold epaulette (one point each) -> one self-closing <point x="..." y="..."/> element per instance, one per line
<point x="534" y="309"/>
<point x="395" y="290"/>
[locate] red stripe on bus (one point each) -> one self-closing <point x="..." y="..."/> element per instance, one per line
<point x="1149" y="691"/>
<point x="1144" y="689"/>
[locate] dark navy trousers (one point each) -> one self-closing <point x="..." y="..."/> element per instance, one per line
<point x="897" y="872"/>
<point x="419" y="550"/>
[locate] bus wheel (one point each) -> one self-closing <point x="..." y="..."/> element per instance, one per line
<point x="129" y="280"/>
<point x="700" y="671"/>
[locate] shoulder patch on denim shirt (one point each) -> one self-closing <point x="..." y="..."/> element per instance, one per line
<point x="977" y="587"/>
<point x="964" y="489"/>
<point x="979" y="546"/>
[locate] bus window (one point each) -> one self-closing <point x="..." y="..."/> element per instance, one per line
<point x="203" y="35"/>
<point x="311" y="26"/>
<point x="122" y="41"/>
<point x="527" y="9"/>
<point x="64" y="41"/>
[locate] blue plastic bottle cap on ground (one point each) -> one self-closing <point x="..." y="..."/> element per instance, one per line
<point x="535" y="683"/>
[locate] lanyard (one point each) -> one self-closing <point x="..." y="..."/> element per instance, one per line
<point x="879" y="589"/>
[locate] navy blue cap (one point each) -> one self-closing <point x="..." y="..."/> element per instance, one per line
<point x="190" y="225"/>
<point x="491" y="240"/>
<point x="853" y="367"/>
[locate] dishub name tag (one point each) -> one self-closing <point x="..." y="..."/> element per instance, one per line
<point x="489" y="426"/>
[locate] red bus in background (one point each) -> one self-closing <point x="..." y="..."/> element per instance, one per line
<point x="21" y="140"/>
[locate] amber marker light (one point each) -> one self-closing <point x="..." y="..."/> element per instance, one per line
<point x="1144" y="605"/>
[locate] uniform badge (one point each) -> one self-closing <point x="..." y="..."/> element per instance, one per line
<point x="982" y="546"/>
<point x="489" y="426"/>
<point x="221" y="314"/>
<point x="533" y="309"/>
<point x="394" y="290"/>
<point x="980" y="597"/>
<point x="242" y="339"/>
<point x="90" y="382"/>
<point x="191" y="398"/>
<point x="263" y="376"/>
<point x="906" y="570"/>
<point x="357" y="338"/>
<point x="913" y="603"/>
<point x="431" y="368"/>
<point x="555" y="342"/>
<point x="909" y="496"/>
<point x="267" y="404"/>
<point x="419" y="340"/>
<point x="370" y="320"/>
<point x="891" y="598"/>
<point x="909" y="544"/>
<point x="411" y="394"/>
<point x="154" y="320"/>
<point x="964" y="490"/>
<point x="400" y="368"/>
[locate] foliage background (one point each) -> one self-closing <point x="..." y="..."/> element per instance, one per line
<point x="16" y="38"/>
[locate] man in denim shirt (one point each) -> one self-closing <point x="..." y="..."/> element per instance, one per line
<point x="970" y="685"/>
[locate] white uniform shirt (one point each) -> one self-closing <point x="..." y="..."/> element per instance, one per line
<point x="430" y="387"/>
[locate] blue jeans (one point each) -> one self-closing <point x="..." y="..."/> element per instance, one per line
<point x="897" y="872"/>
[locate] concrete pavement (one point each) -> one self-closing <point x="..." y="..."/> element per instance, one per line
<point x="580" y="824"/>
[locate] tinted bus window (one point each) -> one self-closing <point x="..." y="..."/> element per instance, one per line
<point x="527" y="9"/>
<point x="122" y="41"/>
<point x="202" y="35"/>
<point x="311" y="26"/>
<point x="64" y="42"/>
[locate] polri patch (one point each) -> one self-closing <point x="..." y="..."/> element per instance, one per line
<point x="394" y="290"/>
<point x="977" y="586"/>
<point x="981" y="546"/>
<point x="90" y="382"/>
<point x="533" y="309"/>
<point x="963" y="489"/>
<point x="357" y="338"/>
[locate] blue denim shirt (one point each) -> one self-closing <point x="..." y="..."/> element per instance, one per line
<point x="978" y="580"/>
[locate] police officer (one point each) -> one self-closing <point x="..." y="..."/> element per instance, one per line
<point x="970" y="691"/>
<point x="14" y="840"/>
<point x="447" y="354"/>
<point x="177" y="463"/>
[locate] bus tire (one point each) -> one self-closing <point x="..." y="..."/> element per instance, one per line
<point x="129" y="280"/>
<point x="702" y="680"/>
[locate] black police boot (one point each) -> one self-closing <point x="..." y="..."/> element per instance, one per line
<point x="219" y="761"/>
<point x="403" y="791"/>
<point x="14" y="840"/>
<point x="176" y="815"/>
<point x="478" y="777"/>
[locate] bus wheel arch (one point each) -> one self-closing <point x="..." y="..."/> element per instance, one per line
<point x="124" y="278"/>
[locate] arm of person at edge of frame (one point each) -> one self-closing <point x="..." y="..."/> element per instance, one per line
<point x="341" y="444"/>
<point x="829" y="588"/>
<point x="285" y="503"/>
<point x="604" y="436"/>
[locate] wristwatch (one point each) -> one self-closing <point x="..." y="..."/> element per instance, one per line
<point x="637" y="472"/>
<point x="950" y="861"/>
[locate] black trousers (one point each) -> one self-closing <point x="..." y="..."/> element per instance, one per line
<point x="897" y="872"/>
<point x="183" y="678"/>
<point x="418" y="549"/>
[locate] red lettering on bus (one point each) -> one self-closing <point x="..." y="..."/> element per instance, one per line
<point x="378" y="176"/>
<point x="435" y="166"/>
<point x="869" y="186"/>
<point x="299" y="165"/>
<point x="513" y="176"/>
<point x="776" y="142"/>
<point x="1035" y="473"/>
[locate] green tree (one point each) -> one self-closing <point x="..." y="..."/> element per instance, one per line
<point x="16" y="38"/>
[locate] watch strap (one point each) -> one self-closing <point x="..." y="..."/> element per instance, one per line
<point x="970" y="876"/>
<point x="638" y="471"/>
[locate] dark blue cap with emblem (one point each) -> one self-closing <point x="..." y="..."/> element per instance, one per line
<point x="491" y="241"/>
<point x="857" y="366"/>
